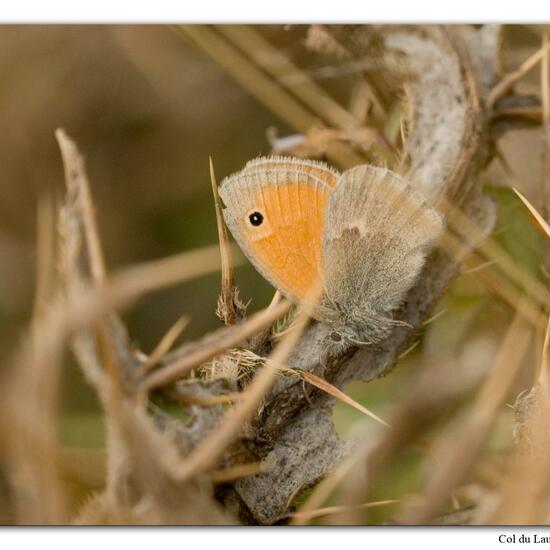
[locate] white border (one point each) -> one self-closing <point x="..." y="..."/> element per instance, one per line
<point x="269" y="538"/>
<point x="268" y="11"/>
<point x="280" y="11"/>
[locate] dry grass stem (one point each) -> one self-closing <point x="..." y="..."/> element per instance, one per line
<point x="304" y="516"/>
<point x="45" y="255"/>
<point x="298" y="82"/>
<point x="495" y="282"/>
<point x="263" y="88"/>
<point x="206" y="454"/>
<point x="467" y="229"/>
<point x="286" y="73"/>
<point x="528" y="479"/>
<point x="508" y="82"/>
<point x="479" y="267"/>
<point x="249" y="76"/>
<point x="238" y="472"/>
<point x="324" y="489"/>
<point x="544" y="374"/>
<point x="203" y="401"/>
<point x="545" y="94"/>
<point x="165" y="344"/>
<point x="232" y="337"/>
<point x="78" y="186"/>
<point x="122" y="288"/>
<point x="460" y="449"/>
<point x="36" y="375"/>
<point x="494" y="279"/>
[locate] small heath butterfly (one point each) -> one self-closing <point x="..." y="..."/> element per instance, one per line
<point x="359" y="237"/>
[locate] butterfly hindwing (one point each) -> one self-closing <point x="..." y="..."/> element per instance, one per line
<point x="376" y="234"/>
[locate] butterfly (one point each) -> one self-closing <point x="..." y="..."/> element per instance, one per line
<point x="358" y="238"/>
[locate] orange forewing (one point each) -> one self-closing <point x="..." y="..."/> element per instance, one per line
<point x="289" y="254"/>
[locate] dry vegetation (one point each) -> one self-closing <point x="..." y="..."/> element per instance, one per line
<point x="253" y="422"/>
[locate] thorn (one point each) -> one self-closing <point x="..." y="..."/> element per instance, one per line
<point x="166" y="342"/>
<point x="542" y="224"/>
<point x="277" y="297"/>
<point x="229" y="309"/>
<point x="409" y="350"/>
<point x="478" y="267"/>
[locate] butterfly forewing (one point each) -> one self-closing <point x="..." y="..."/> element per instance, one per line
<point x="286" y="246"/>
<point x="319" y="170"/>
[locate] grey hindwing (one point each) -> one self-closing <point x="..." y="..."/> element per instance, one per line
<point x="377" y="231"/>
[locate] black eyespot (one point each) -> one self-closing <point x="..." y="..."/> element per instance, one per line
<point x="256" y="218"/>
<point x="335" y="337"/>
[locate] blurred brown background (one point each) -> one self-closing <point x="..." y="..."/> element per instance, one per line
<point x="147" y="109"/>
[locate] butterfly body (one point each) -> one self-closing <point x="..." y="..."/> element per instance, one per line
<point x="357" y="240"/>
